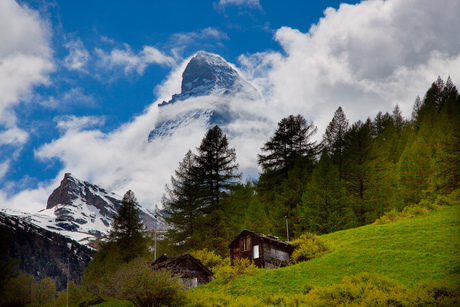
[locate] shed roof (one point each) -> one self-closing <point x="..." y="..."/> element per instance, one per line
<point x="165" y="261"/>
<point x="271" y="239"/>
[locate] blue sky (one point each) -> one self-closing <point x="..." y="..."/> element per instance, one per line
<point x="80" y="79"/>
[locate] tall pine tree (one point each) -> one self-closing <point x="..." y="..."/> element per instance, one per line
<point x="217" y="167"/>
<point x="217" y="175"/>
<point x="127" y="229"/>
<point x="290" y="142"/>
<point x="181" y="205"/>
<point x="334" y="138"/>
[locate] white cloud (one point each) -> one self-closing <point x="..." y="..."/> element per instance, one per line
<point x="13" y="136"/>
<point x="74" y="123"/>
<point x="129" y="61"/>
<point x="249" y="3"/>
<point x="78" y="56"/>
<point x="198" y="38"/>
<point x="25" y="62"/>
<point x="25" y="55"/>
<point x="366" y="58"/>
<point x="74" y="96"/>
<point x="4" y="167"/>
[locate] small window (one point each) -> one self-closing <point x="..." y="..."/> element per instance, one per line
<point x="256" y="251"/>
<point x="246" y="244"/>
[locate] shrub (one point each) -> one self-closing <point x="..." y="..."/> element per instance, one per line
<point x="307" y="247"/>
<point x="440" y="293"/>
<point x="408" y="212"/>
<point x="226" y="273"/>
<point x="138" y="283"/>
<point x="210" y="259"/>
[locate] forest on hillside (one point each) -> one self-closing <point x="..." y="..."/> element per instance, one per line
<point x="356" y="173"/>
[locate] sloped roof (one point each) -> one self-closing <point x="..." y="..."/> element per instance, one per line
<point x="165" y="261"/>
<point x="271" y="239"/>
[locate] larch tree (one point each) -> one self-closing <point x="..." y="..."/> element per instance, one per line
<point x="334" y="137"/>
<point x="217" y="175"/>
<point x="181" y="205"/>
<point x="128" y="230"/>
<point x="290" y="142"/>
<point x="217" y="167"/>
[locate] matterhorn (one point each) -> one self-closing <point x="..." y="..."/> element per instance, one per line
<point x="212" y="93"/>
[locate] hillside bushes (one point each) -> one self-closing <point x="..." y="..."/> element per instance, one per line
<point x="363" y="290"/>
<point x="308" y="247"/>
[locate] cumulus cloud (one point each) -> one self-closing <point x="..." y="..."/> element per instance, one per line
<point x="78" y="56"/>
<point x="127" y="60"/>
<point x="25" y="55"/>
<point x="366" y="58"/>
<point x="25" y="62"/>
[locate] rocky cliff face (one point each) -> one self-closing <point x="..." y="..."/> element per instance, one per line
<point x="84" y="207"/>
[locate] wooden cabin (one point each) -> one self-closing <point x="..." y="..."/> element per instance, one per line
<point x="265" y="251"/>
<point x="191" y="271"/>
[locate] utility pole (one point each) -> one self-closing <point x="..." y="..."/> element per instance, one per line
<point x="287" y="229"/>
<point x="156" y="221"/>
<point x="68" y="272"/>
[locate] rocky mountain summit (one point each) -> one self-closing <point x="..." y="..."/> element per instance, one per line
<point x="73" y="196"/>
<point x="85" y="207"/>
<point x="210" y="87"/>
<point x="209" y="74"/>
<point x="79" y="210"/>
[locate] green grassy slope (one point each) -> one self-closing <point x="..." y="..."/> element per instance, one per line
<point x="423" y="248"/>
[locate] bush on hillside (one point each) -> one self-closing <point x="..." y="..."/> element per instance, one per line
<point x="241" y="266"/>
<point x="138" y="283"/>
<point x="308" y="246"/>
<point x="210" y="259"/>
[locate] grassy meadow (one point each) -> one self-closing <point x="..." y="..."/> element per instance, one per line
<point x="409" y="253"/>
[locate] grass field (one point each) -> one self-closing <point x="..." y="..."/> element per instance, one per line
<point x="418" y="251"/>
<point x="412" y="251"/>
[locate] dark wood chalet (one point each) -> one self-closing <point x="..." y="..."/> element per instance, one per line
<point x="191" y="271"/>
<point x="266" y="251"/>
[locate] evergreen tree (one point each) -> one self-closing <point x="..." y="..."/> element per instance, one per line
<point x="358" y="169"/>
<point x="217" y="175"/>
<point x="415" y="169"/>
<point x="217" y="167"/>
<point x="334" y="137"/>
<point x="127" y="229"/>
<point x="446" y="177"/>
<point x="290" y="142"/>
<point x="358" y="152"/>
<point x="325" y="207"/>
<point x="181" y="206"/>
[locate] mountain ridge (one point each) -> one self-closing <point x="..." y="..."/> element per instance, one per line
<point x="79" y="210"/>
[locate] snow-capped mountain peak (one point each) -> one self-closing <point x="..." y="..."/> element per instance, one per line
<point x="79" y="210"/>
<point x="209" y="74"/>
<point x="210" y="85"/>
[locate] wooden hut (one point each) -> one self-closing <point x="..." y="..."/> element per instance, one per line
<point x="191" y="271"/>
<point x="265" y="251"/>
